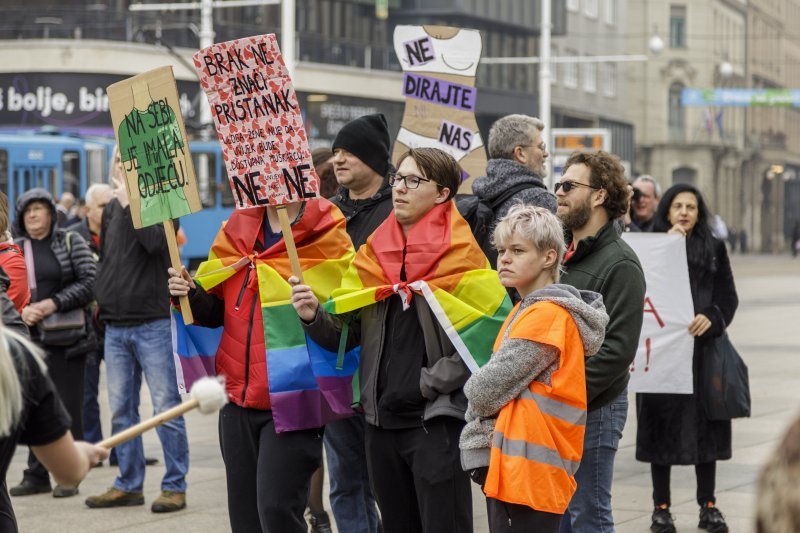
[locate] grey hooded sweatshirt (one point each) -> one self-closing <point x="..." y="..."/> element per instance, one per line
<point x="518" y="362"/>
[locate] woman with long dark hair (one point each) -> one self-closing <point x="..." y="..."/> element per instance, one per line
<point x="673" y="428"/>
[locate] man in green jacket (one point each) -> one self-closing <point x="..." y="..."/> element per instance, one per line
<point x="593" y="193"/>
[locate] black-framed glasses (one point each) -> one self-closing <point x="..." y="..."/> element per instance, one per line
<point x="411" y="181"/>
<point x="568" y="185"/>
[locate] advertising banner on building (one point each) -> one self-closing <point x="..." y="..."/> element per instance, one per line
<point x="733" y="97"/>
<point x="69" y="100"/>
<point x="264" y="144"/>
<point x="664" y="360"/>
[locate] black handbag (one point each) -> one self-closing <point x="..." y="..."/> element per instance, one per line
<point x="62" y="328"/>
<point x="724" y="381"/>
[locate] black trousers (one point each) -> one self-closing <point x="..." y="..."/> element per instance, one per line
<point x="706" y="483"/>
<point x="67" y="376"/>
<point x="513" y="518"/>
<point x="268" y="473"/>
<point x="417" y="478"/>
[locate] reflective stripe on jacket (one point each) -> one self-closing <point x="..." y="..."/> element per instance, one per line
<point x="538" y="439"/>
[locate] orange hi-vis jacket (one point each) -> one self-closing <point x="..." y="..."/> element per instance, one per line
<point x="538" y="438"/>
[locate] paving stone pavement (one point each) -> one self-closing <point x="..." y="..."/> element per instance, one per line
<point x="765" y="331"/>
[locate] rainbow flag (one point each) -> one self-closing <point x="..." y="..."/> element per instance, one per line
<point x="444" y="264"/>
<point x="308" y="386"/>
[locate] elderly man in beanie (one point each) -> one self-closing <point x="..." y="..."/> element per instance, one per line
<point x="361" y="161"/>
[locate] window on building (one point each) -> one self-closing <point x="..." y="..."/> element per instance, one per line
<point x="589" y="77"/>
<point x="573" y="5"/>
<point x="611" y="12"/>
<point x="553" y="66"/>
<point x="677" y="26"/>
<point x="570" y="71"/>
<point x="610" y="80"/>
<point x="590" y="8"/>
<point x="676" y="113"/>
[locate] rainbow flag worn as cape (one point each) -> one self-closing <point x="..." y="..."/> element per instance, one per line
<point x="445" y="265"/>
<point x="308" y="385"/>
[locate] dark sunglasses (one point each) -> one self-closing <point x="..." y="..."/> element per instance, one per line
<point x="569" y="185"/>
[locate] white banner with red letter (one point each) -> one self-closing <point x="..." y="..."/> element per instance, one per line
<point x="664" y="359"/>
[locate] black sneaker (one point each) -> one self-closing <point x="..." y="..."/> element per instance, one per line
<point x="662" y="521"/>
<point x="711" y="519"/>
<point x="28" y="487"/>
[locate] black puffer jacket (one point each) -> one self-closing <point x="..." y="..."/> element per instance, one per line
<point x="77" y="266"/>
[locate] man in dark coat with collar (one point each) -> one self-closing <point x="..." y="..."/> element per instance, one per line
<point x="592" y="194"/>
<point x="361" y="161"/>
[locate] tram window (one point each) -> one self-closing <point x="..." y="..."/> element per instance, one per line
<point x="205" y="165"/>
<point x="225" y="188"/>
<point x="4" y="171"/>
<point x="95" y="166"/>
<point x="71" y="174"/>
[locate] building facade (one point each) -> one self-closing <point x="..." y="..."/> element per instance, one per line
<point x="743" y="159"/>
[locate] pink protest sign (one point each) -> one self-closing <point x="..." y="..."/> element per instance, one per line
<point x="254" y="105"/>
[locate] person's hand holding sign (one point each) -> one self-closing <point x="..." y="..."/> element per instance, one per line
<point x="699" y="325"/>
<point x="303" y="299"/>
<point x="179" y="283"/>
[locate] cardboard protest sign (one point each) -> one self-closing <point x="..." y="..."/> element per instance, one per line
<point x="664" y="360"/>
<point x="439" y="64"/>
<point x="146" y="114"/>
<point x="255" y="110"/>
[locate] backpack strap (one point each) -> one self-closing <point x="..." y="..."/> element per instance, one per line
<point x="519" y="187"/>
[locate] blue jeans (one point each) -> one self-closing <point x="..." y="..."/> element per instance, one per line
<point x="352" y="501"/>
<point x="590" y="508"/>
<point x="148" y="346"/>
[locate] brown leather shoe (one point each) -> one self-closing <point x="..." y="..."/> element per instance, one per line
<point x="169" y="501"/>
<point x="115" y="498"/>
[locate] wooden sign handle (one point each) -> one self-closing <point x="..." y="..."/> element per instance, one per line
<point x="175" y="259"/>
<point x="161" y="418"/>
<point x="288" y="237"/>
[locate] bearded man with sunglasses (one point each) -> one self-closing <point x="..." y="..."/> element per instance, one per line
<point x="593" y="193"/>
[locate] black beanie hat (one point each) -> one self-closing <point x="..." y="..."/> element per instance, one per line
<point x="367" y="138"/>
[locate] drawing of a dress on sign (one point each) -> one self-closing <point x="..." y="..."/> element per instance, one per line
<point x="151" y="142"/>
<point x="439" y="64"/>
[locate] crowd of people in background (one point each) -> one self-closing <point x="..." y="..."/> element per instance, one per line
<point x="537" y="427"/>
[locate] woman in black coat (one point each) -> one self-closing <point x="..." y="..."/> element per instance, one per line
<point x="672" y="428"/>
